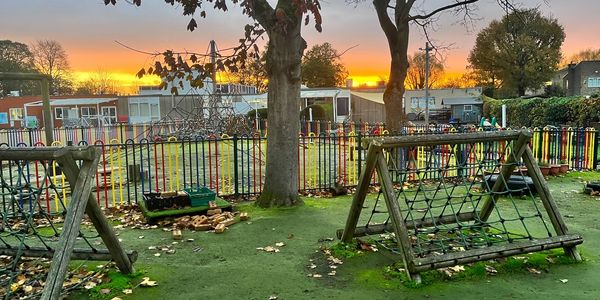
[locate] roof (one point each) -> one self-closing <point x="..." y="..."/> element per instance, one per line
<point x="320" y="92"/>
<point x="462" y="101"/>
<point x="74" y="101"/>
<point x="371" y="96"/>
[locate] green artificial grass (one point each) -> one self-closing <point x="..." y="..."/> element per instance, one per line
<point x="228" y="265"/>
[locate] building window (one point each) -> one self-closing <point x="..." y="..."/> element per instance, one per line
<point x="16" y="114"/>
<point x="109" y="114"/>
<point x="89" y="112"/>
<point x="468" y="108"/>
<point x="60" y="113"/>
<point x="593" y="82"/>
<point x="342" y="106"/>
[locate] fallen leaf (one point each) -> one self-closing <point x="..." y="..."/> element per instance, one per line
<point x="116" y="298"/>
<point x="157" y="254"/>
<point x="273" y="298"/>
<point x="332" y="273"/>
<point x="280" y="244"/>
<point x="491" y="270"/>
<point x="317" y="276"/>
<point x="89" y="285"/>
<point x="564" y="280"/>
<point x="27" y="289"/>
<point x="534" y="271"/>
<point x="146" y="282"/>
<point x="457" y="268"/>
<point x="127" y="291"/>
<point x="105" y="291"/>
<point x="140" y="237"/>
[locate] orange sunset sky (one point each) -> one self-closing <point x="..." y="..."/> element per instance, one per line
<point x="88" y="30"/>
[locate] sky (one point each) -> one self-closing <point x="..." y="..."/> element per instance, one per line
<point x="88" y="29"/>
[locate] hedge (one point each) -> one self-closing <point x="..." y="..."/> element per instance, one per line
<point x="573" y="111"/>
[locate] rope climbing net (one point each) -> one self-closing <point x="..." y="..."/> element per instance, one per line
<point x="31" y="179"/>
<point x="454" y="199"/>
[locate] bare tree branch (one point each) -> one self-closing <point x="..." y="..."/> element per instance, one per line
<point x="443" y="8"/>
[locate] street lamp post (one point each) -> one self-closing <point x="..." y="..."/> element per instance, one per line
<point x="427" y="49"/>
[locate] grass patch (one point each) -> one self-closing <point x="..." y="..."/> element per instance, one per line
<point x="116" y="284"/>
<point x="343" y="250"/>
<point x="531" y="263"/>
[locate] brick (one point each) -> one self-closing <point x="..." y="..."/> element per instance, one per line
<point x="219" y="219"/>
<point x="212" y="204"/>
<point x="202" y="227"/>
<point x="211" y="212"/>
<point x="228" y="222"/>
<point x="244" y="216"/>
<point x="177" y="234"/>
<point x="220" y="228"/>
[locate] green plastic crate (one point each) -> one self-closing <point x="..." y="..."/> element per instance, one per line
<point x="200" y="196"/>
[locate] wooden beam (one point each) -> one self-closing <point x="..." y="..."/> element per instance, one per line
<point x="101" y="225"/>
<point x="381" y="228"/>
<point x="442" y="139"/>
<point x="82" y="187"/>
<point x="507" y="169"/>
<point x="47" y="111"/>
<point x="361" y="192"/>
<point x="77" y="254"/>
<point x="541" y="187"/>
<point x="396" y="217"/>
<point x="85" y="153"/>
<point x="492" y="252"/>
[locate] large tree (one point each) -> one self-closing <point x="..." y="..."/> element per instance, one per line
<point x="415" y="77"/>
<point x="282" y="24"/>
<point x="395" y="18"/>
<point x="15" y="57"/>
<point x="50" y="58"/>
<point x="519" y="52"/>
<point x="321" y="67"/>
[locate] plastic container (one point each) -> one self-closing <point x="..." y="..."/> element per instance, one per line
<point x="200" y="196"/>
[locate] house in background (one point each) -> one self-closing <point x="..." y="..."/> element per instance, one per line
<point x="66" y="111"/>
<point x="582" y="78"/>
<point x="461" y="104"/>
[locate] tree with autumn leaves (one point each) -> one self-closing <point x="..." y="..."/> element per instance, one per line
<point x="282" y="25"/>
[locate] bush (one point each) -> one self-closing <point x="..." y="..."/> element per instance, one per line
<point x="538" y="112"/>
<point x="320" y="112"/>
<point x="262" y="114"/>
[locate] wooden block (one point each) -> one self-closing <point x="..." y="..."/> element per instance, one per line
<point x="177" y="234"/>
<point x="211" y="212"/>
<point x="202" y="226"/>
<point x="212" y="204"/>
<point x="244" y="216"/>
<point x="228" y="222"/>
<point x="220" y="228"/>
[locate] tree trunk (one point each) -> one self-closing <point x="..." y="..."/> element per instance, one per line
<point x="284" y="57"/>
<point x="395" y="114"/>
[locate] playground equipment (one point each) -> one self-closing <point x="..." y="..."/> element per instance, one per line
<point x="28" y="230"/>
<point x="449" y="219"/>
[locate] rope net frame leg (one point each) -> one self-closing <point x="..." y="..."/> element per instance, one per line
<point x="28" y="229"/>
<point x="458" y="198"/>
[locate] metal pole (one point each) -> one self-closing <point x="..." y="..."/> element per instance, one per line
<point x="48" y="123"/>
<point x="427" y="49"/>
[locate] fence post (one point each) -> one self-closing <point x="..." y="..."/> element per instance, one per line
<point x="359" y="147"/>
<point x="235" y="164"/>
